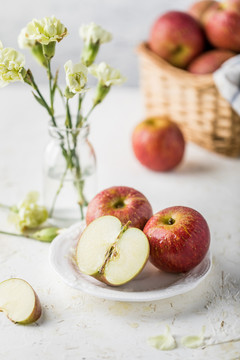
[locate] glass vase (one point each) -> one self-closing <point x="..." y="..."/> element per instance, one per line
<point x="69" y="174"/>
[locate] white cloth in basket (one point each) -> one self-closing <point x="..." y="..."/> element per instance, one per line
<point x="227" y="80"/>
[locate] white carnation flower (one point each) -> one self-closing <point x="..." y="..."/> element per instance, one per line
<point x="45" y="31"/>
<point x="106" y="75"/>
<point x="93" y="33"/>
<point x="11" y="66"/>
<point x="76" y="76"/>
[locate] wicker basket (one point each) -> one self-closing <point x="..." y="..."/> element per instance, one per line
<point x="192" y="101"/>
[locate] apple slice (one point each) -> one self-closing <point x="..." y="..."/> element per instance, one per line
<point x="110" y="252"/>
<point x="19" y="301"/>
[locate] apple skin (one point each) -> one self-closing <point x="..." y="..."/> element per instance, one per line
<point x="180" y="246"/>
<point x="210" y="61"/>
<point x="222" y="25"/>
<point x="126" y="203"/>
<point x="177" y="37"/>
<point x="36" y="313"/>
<point x="158" y="144"/>
<point x="199" y="8"/>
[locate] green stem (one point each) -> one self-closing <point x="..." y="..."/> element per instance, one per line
<point x="58" y="191"/>
<point x="5" y="206"/>
<point x="68" y="115"/>
<point x="14" y="234"/>
<point x="89" y="113"/>
<point x="79" y="117"/>
<point x="50" y="85"/>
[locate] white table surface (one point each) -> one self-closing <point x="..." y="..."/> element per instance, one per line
<point x="75" y="325"/>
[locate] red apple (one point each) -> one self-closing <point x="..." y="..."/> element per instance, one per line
<point x="158" y="144"/>
<point x="179" y="239"/>
<point x="199" y="8"/>
<point x="177" y="37"/>
<point x="210" y="61"/>
<point x="123" y="202"/>
<point x="222" y="25"/>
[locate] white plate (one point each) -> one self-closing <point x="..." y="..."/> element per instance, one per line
<point x="151" y="284"/>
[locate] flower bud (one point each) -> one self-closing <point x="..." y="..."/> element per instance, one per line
<point x="89" y="53"/>
<point x="37" y="52"/>
<point x="49" y="50"/>
<point x="46" y="235"/>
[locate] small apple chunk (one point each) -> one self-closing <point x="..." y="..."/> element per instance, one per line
<point x="110" y="252"/>
<point x="19" y="301"/>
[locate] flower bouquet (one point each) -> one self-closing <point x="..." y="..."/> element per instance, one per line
<point x="41" y="38"/>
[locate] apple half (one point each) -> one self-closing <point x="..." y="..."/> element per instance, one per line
<point x="110" y="252"/>
<point x="19" y="301"/>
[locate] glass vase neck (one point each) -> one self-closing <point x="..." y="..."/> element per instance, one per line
<point x="61" y="132"/>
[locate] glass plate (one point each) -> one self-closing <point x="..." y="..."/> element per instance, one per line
<point x="151" y="284"/>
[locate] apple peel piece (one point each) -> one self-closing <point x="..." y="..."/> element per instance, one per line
<point x="19" y="301"/>
<point x="110" y="252"/>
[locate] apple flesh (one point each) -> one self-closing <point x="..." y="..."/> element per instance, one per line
<point x="177" y="37"/>
<point x="210" y="61"/>
<point x="179" y="239"/>
<point x="222" y="25"/>
<point x="126" y="203"/>
<point x="110" y="252"/>
<point x="158" y="144"/>
<point x="19" y="301"/>
<point x="199" y="8"/>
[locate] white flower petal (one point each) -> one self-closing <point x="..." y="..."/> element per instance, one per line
<point x="76" y="76"/>
<point x="106" y="74"/>
<point x="44" y="31"/>
<point x="93" y="33"/>
<point x="163" y="342"/>
<point x="11" y="66"/>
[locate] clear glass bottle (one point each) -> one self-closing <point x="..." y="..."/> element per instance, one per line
<point x="69" y="174"/>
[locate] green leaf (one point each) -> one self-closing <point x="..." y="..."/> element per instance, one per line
<point x="41" y="102"/>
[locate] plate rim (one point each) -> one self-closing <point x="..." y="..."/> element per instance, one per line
<point x="109" y="293"/>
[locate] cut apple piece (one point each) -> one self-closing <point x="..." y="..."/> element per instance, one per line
<point x="19" y="301"/>
<point x="110" y="252"/>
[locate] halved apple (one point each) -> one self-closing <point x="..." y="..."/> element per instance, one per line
<point x="110" y="252"/>
<point x="19" y="301"/>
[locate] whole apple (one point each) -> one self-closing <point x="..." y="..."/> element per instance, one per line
<point x="158" y="144"/>
<point x="126" y="203"/>
<point x="199" y="8"/>
<point x="177" y="37"/>
<point x="222" y="25"/>
<point x="179" y="239"/>
<point x="210" y="61"/>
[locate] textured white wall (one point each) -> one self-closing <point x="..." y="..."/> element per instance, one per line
<point x="128" y="20"/>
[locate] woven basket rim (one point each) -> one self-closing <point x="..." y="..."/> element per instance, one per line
<point x="197" y="80"/>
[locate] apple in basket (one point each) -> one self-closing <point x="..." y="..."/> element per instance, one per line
<point x="111" y="251"/>
<point x="179" y="239"/>
<point x="19" y="301"/>
<point x="199" y="8"/>
<point x="126" y="203"/>
<point x="210" y="61"/>
<point x="222" y="25"/>
<point x="177" y="37"/>
<point x="158" y="143"/>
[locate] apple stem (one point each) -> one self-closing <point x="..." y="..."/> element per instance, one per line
<point x="171" y="221"/>
<point x="111" y="251"/>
